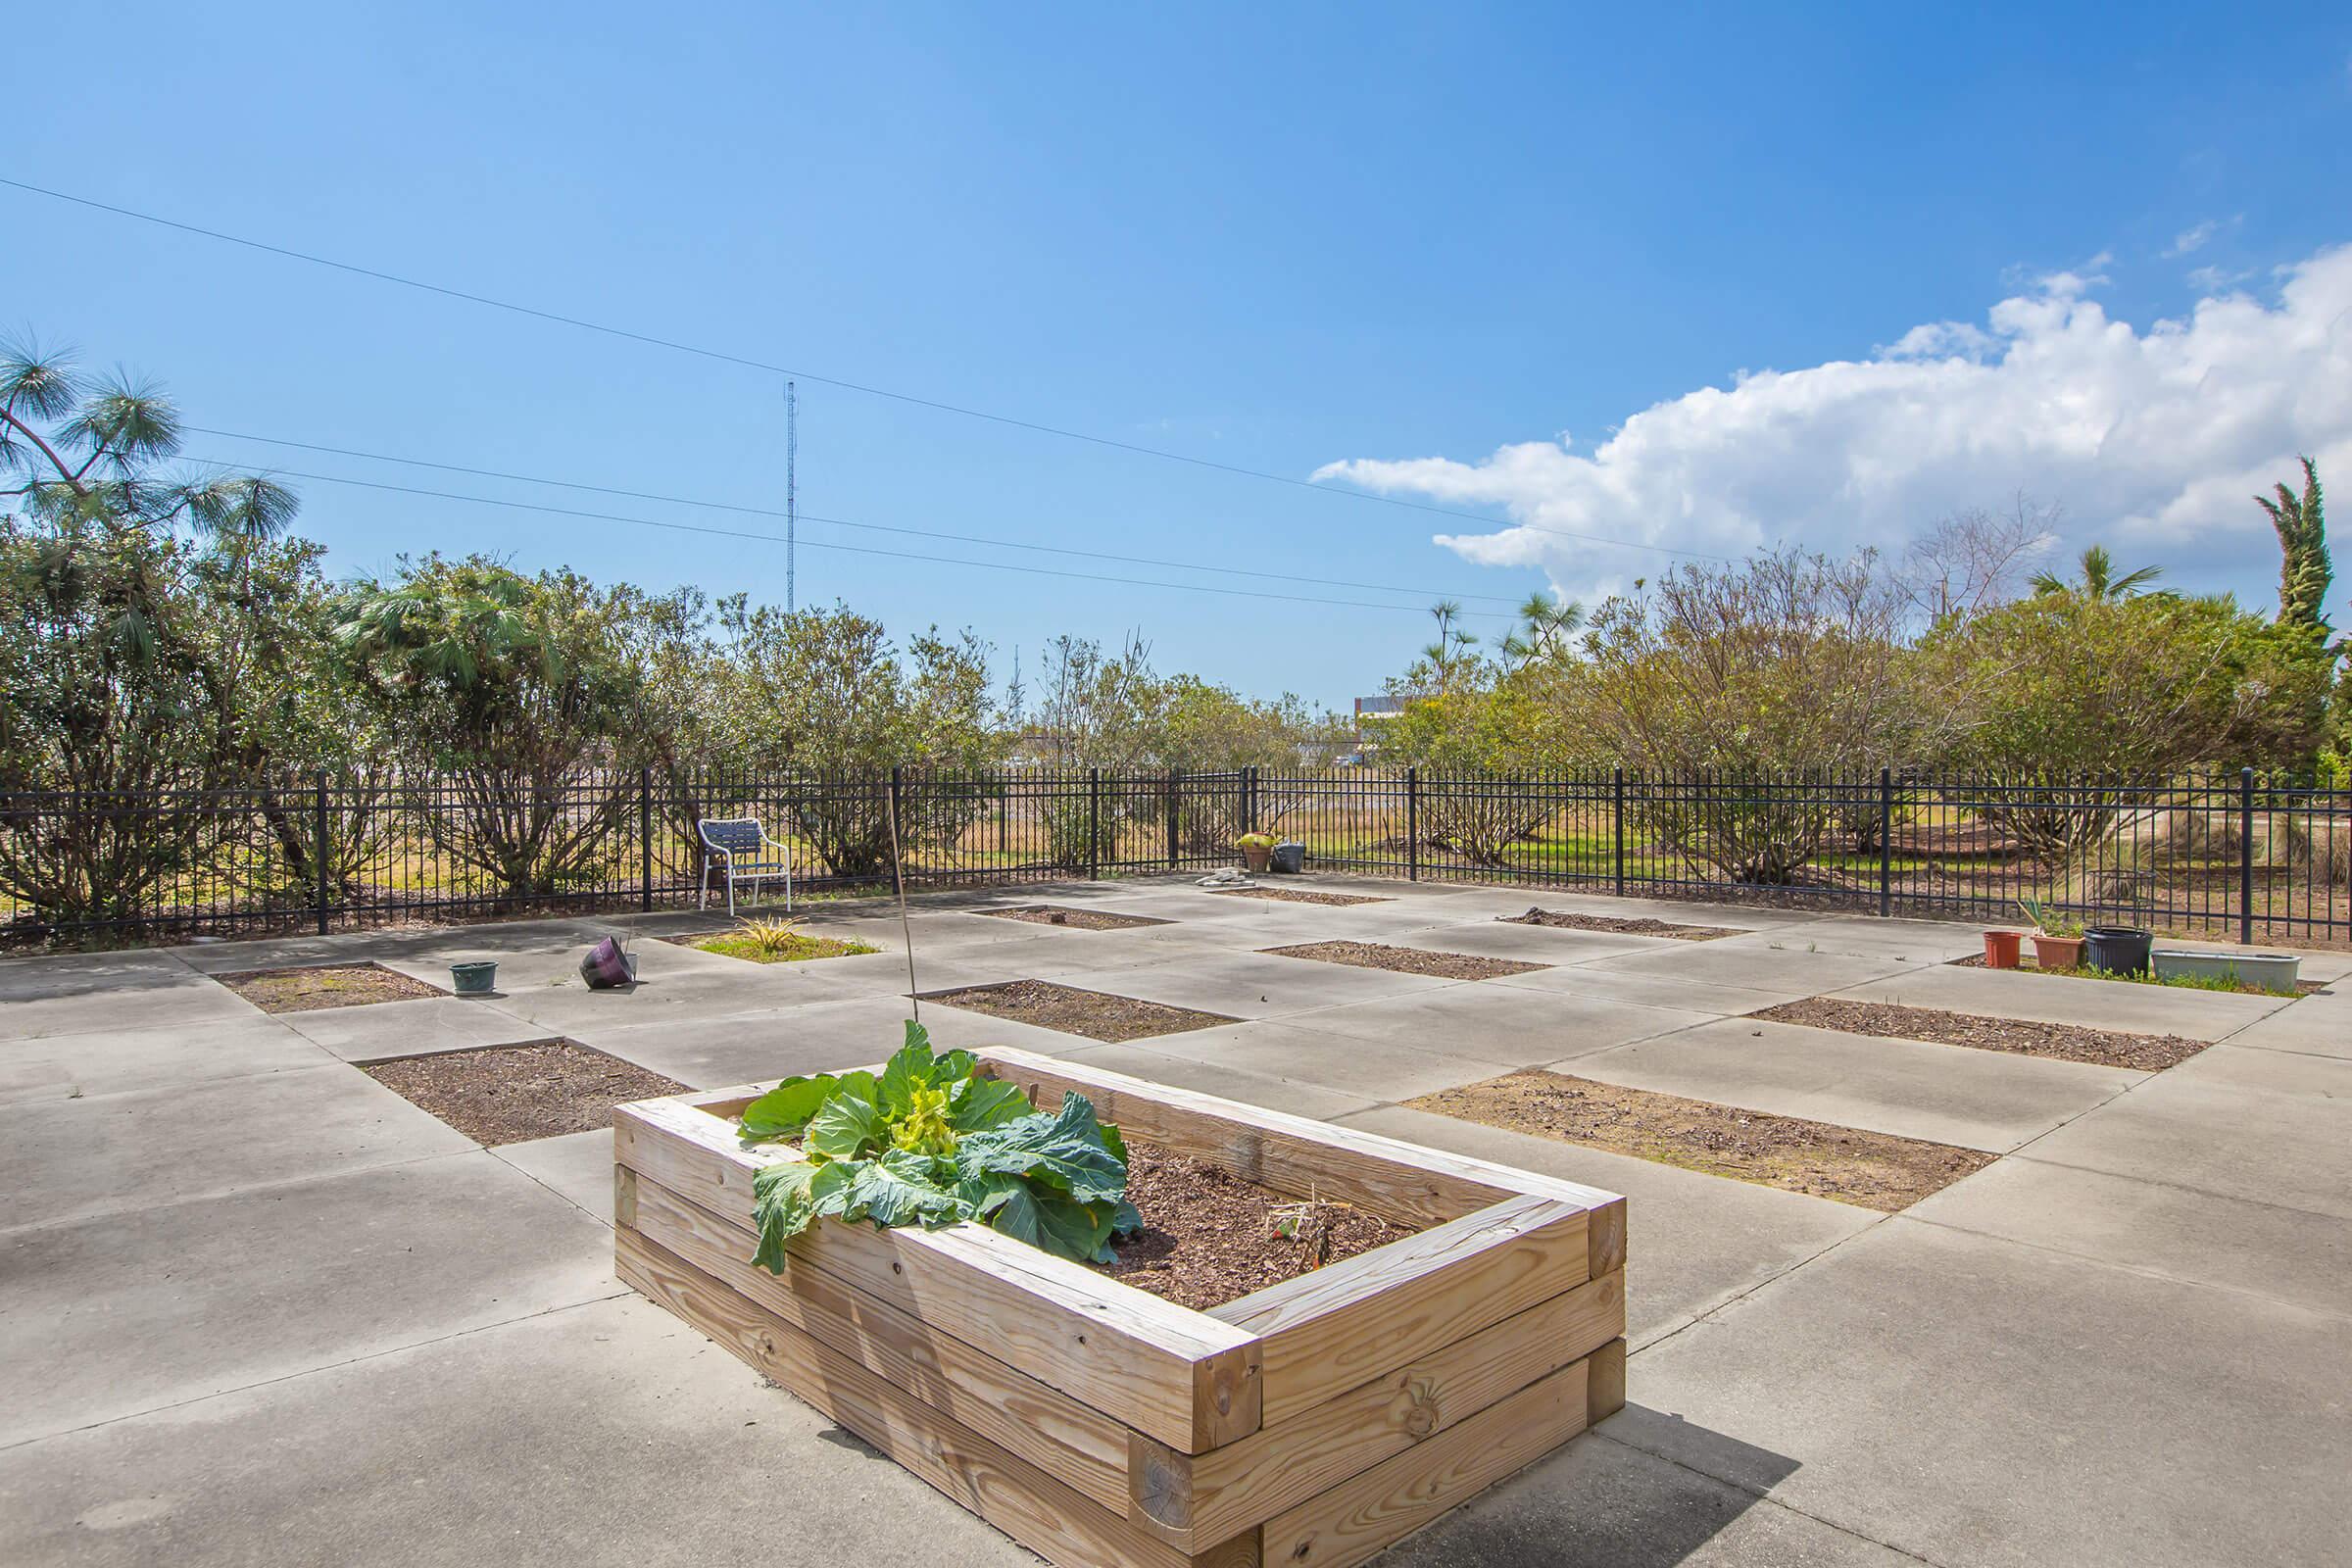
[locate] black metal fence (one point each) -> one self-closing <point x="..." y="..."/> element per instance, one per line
<point x="2233" y="855"/>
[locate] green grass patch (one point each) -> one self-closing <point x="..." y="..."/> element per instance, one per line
<point x="792" y="948"/>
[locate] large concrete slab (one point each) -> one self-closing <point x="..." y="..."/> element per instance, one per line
<point x="1527" y="944"/>
<point x="2317" y="1026"/>
<point x="175" y="1300"/>
<point x="1507" y="1024"/>
<point x="576" y="1167"/>
<point x="422" y="1026"/>
<point x="1597" y="1503"/>
<point x="130" y="1151"/>
<point x="73" y="1066"/>
<point x="1252" y="985"/>
<point x="716" y="1052"/>
<point x="609" y="1434"/>
<point x="109" y="993"/>
<point x="1970" y="1401"/>
<point x="430" y="946"/>
<point x="1652" y="990"/>
<point x="1148" y="1060"/>
<point x="2273" y="1141"/>
<point x="1905" y="940"/>
<point x="1987" y="1099"/>
<point x="2059" y="999"/>
<point x="1376" y="1069"/>
<point x="1695" y="1240"/>
<point x="1778" y="963"/>
<point x="2287" y="1255"/>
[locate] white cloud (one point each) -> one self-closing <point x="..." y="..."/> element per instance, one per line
<point x="2153" y="440"/>
<point x="2190" y="239"/>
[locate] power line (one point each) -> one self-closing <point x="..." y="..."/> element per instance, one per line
<point x="838" y="523"/>
<point x="909" y="398"/>
<point x="855" y="549"/>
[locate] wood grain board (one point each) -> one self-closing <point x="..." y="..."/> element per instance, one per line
<point x="1313" y="1422"/>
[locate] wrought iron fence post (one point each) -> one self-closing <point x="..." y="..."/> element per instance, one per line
<point x="1412" y="824"/>
<point x="1094" y="824"/>
<point x="1175" y="783"/>
<point x="1618" y="819"/>
<point x="1885" y="841"/>
<point x="898" y="825"/>
<point x="319" y="847"/>
<point x="1250" y="798"/>
<point x="644" y="838"/>
<point x="2245" y="857"/>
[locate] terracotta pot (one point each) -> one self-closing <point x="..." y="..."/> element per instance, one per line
<point x="1257" y="856"/>
<point x="2057" y="953"/>
<point x="2001" y="949"/>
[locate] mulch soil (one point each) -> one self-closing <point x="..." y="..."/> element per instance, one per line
<point x="2068" y="1041"/>
<point x="511" y="1094"/>
<point x="1210" y="1237"/>
<point x="1621" y="925"/>
<point x="346" y="985"/>
<point x="1871" y="1170"/>
<point x="1406" y="960"/>
<point x="1094" y="1014"/>
<point x="1299" y="896"/>
<point x="1076" y="919"/>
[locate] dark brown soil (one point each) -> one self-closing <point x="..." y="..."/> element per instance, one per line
<point x="1210" y="1237"/>
<point x="510" y="1093"/>
<point x="1297" y="896"/>
<point x="1621" y="925"/>
<point x="2108" y="1048"/>
<point x="1975" y="960"/>
<point x="1094" y="1014"/>
<point x="342" y="985"/>
<point x="1406" y="960"/>
<point x="1871" y="1170"/>
<point x="1076" y="919"/>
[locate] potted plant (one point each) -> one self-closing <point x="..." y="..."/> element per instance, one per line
<point x="1257" y="849"/>
<point x="2057" y="940"/>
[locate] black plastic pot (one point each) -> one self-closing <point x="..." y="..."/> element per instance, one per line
<point x="2117" y="949"/>
<point x="1290" y="857"/>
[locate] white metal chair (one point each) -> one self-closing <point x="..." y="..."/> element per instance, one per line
<point x="741" y="847"/>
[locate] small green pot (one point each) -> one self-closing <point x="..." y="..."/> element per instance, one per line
<point x="477" y="979"/>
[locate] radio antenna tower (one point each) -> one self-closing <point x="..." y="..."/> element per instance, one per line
<point x="792" y="494"/>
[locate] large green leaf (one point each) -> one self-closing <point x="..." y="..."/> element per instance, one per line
<point x="976" y="1104"/>
<point x="1054" y="1222"/>
<point x="899" y="1189"/>
<point x="1065" y="1150"/>
<point x="845" y="1127"/>
<point x="786" y="1108"/>
<point x="783" y="1207"/>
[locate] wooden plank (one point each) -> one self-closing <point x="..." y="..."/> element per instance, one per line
<point x="1179" y="1376"/>
<point x="1353" y="1320"/>
<point x="1007" y="1490"/>
<point x="1296" y="1156"/>
<point x="1373" y="1510"/>
<point x="1069" y="1440"/>
<point x="1213" y="1496"/>
<point x="1606" y="1385"/>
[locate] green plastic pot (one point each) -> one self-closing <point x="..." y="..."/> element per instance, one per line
<point x="477" y="979"/>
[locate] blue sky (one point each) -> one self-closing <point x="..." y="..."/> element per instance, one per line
<point x="1275" y="237"/>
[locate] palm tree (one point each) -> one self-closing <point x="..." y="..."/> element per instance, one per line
<point x="2304" y="572"/>
<point x="1545" y="627"/>
<point x="2098" y="580"/>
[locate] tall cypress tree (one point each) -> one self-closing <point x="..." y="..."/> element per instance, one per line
<point x="2304" y="570"/>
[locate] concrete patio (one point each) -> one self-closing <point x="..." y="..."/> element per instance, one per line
<point x="255" y="1307"/>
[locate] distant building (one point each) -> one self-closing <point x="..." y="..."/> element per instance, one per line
<point x="1371" y="712"/>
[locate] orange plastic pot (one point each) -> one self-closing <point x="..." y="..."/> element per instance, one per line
<point x="2058" y="953"/>
<point x="2001" y="949"/>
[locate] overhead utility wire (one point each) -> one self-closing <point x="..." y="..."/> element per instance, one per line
<point x="725" y="358"/>
<point x="839" y="522"/>
<point x="859" y="550"/>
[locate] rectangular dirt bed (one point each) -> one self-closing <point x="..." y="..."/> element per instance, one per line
<point x="1094" y="1015"/>
<point x="338" y="984"/>
<point x="1621" y="925"/>
<point x="1407" y="960"/>
<point x="512" y="1094"/>
<point x="2068" y="1041"/>
<point x="1299" y="896"/>
<point x="1075" y="920"/>
<point x="1871" y="1170"/>
<point x="1210" y="1237"/>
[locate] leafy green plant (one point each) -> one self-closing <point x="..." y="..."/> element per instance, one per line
<point x="928" y="1141"/>
<point x="1255" y="841"/>
<point x="2048" y="921"/>
<point x="768" y="936"/>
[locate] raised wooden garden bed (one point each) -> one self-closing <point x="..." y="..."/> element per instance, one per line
<point x="1313" y="1422"/>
